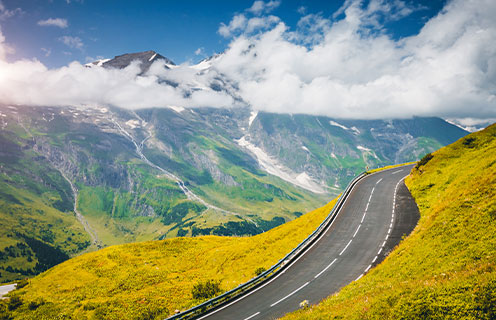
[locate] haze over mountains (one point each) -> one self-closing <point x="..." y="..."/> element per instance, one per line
<point x="164" y="172"/>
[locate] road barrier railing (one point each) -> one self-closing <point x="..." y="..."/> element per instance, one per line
<point x="231" y="295"/>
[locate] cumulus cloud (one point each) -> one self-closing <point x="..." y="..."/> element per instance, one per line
<point x="72" y="42"/>
<point x="29" y="82"/>
<point x="260" y="7"/>
<point x="346" y="66"/>
<point x="54" y="22"/>
<point x="350" y="68"/>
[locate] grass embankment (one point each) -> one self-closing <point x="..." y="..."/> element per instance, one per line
<point x="151" y="279"/>
<point x="446" y="268"/>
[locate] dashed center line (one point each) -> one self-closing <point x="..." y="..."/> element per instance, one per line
<point x="357" y="230"/>
<point x="321" y="272"/>
<point x="346" y="247"/>
<point x="253" y="315"/>
<point x="289" y="295"/>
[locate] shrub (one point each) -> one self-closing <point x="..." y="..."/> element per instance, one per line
<point x="424" y="160"/>
<point x="22" y="283"/>
<point x="14" y="303"/>
<point x="205" y="290"/>
<point x="260" y="270"/>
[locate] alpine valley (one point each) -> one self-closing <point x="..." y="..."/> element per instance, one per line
<point x="74" y="179"/>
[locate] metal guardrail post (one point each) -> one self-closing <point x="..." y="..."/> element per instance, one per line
<point x="232" y="294"/>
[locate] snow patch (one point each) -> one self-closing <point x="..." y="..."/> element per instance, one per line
<point x="253" y="116"/>
<point x="368" y="151"/>
<point x="133" y="123"/>
<point x="177" y="109"/>
<point x="333" y="155"/>
<point x="275" y="168"/>
<point x="171" y="66"/>
<point x="333" y="123"/>
<point x="204" y="64"/>
<point x="355" y="129"/>
<point x="152" y="57"/>
<point x="305" y="148"/>
<point x="97" y="63"/>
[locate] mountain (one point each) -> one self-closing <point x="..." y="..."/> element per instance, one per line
<point x="444" y="269"/>
<point x="85" y="178"/>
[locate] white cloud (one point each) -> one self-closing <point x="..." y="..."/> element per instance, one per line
<point x="55" y="22"/>
<point x="260" y="7"/>
<point x="6" y="13"/>
<point x="238" y="22"/>
<point x="72" y="42"/>
<point x="352" y="69"/>
<point x="200" y="51"/>
<point x="343" y="67"/>
<point x="46" y="51"/>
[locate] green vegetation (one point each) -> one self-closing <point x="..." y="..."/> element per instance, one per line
<point x="38" y="228"/>
<point x="446" y="268"/>
<point x="206" y="290"/>
<point x="132" y="281"/>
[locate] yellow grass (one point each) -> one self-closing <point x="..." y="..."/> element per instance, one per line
<point x="152" y="279"/>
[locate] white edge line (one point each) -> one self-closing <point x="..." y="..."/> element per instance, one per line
<point x="253" y="315"/>
<point x="289" y="266"/>
<point x="359" y="277"/>
<point x="368" y="268"/>
<point x="289" y="295"/>
<point x="308" y="249"/>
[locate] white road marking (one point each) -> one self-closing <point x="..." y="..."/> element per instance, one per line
<point x="359" y="277"/>
<point x="374" y="259"/>
<point x="346" y="247"/>
<point x="384" y="243"/>
<point x="357" y="230"/>
<point x="268" y="282"/>
<point x="378" y="181"/>
<point x="253" y="315"/>
<point x="289" y="295"/>
<point x="397" y="172"/>
<point x="330" y="264"/>
<point x="368" y="268"/>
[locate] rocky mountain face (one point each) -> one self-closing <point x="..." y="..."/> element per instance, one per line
<point x="91" y="177"/>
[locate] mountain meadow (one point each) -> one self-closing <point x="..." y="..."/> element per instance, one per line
<point x="444" y="269"/>
<point x="150" y="280"/>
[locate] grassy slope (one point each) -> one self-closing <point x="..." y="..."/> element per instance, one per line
<point x="446" y="268"/>
<point x="135" y="281"/>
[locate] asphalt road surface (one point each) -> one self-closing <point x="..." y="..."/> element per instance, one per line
<point x="376" y="214"/>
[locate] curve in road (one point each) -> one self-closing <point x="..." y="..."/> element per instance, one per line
<point x="378" y="212"/>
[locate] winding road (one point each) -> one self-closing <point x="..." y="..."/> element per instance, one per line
<point x="378" y="212"/>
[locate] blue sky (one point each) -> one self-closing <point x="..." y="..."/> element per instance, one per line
<point x="351" y="59"/>
<point x="176" y="29"/>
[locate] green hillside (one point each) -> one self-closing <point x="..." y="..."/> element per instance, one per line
<point x="150" y="280"/>
<point x="446" y="269"/>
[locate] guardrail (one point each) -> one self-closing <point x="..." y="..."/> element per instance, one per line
<point x="232" y="294"/>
